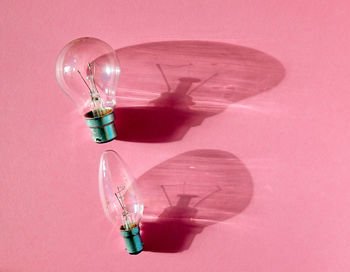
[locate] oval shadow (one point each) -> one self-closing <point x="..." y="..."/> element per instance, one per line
<point x="189" y="192"/>
<point x="166" y="88"/>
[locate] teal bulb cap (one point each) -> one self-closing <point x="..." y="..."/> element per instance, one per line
<point x="102" y="128"/>
<point x="132" y="239"/>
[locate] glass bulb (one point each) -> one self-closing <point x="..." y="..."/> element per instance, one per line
<point x="87" y="70"/>
<point x="121" y="199"/>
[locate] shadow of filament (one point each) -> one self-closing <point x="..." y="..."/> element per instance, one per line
<point x="189" y="192"/>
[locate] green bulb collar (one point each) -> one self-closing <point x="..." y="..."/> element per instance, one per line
<point x="132" y="239"/>
<point x="102" y="128"/>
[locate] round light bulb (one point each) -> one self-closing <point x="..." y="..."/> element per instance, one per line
<point x="87" y="70"/>
<point x="121" y="199"/>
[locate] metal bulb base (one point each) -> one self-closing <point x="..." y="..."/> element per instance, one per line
<point x="132" y="239"/>
<point x="102" y="128"/>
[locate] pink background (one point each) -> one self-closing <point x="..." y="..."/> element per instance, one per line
<point x="286" y="145"/>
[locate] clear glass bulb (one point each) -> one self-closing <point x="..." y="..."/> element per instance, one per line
<point x="121" y="199"/>
<point x="87" y="70"/>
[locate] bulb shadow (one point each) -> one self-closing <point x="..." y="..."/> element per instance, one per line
<point x="166" y="88"/>
<point x="189" y="192"/>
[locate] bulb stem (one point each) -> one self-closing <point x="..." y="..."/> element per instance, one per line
<point x="125" y="215"/>
<point x="87" y="85"/>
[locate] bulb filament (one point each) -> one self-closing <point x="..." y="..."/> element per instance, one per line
<point x="97" y="104"/>
<point x="126" y="216"/>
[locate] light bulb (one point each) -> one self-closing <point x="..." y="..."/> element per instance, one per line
<point x="121" y="199"/>
<point x="87" y="70"/>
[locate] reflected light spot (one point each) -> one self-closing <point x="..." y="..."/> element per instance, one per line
<point x="66" y="69"/>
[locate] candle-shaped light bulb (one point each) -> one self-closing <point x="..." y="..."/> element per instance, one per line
<point x="87" y="70"/>
<point x="121" y="199"/>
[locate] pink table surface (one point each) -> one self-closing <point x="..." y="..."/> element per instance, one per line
<point x="279" y="152"/>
